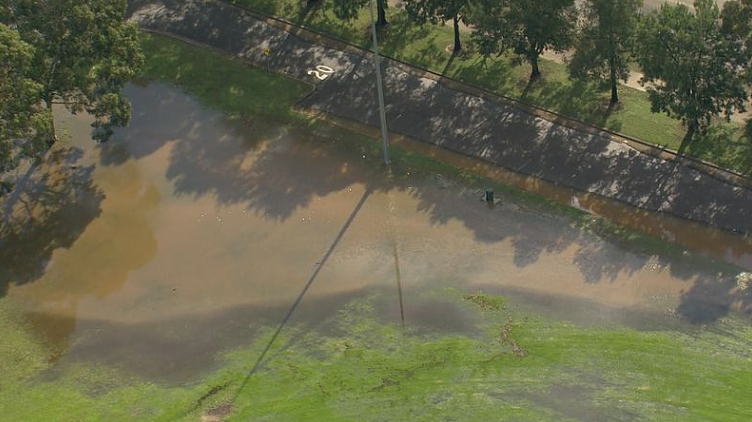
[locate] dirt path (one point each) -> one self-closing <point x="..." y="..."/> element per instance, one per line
<point x="427" y="109"/>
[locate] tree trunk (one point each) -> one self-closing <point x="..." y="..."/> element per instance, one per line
<point x="457" y="45"/>
<point x="381" y="21"/>
<point x="52" y="135"/>
<point x="535" y="74"/>
<point x="614" y="93"/>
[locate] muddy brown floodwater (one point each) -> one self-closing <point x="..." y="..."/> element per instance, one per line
<point x="185" y="231"/>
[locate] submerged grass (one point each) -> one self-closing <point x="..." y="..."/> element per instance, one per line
<point x="360" y="365"/>
<point x="378" y="372"/>
<point x="220" y="83"/>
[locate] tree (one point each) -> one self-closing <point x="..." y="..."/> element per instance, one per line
<point x="349" y="9"/>
<point x="439" y="11"/>
<point x="692" y="70"/>
<point x="23" y="124"/>
<point x="736" y="23"/>
<point x="84" y="53"/>
<point x="736" y="18"/>
<point x="604" y="42"/>
<point x="526" y="27"/>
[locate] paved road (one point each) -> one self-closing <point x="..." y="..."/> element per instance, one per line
<point x="425" y="109"/>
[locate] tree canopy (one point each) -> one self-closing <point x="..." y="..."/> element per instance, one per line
<point x="439" y="11"/>
<point x="83" y="54"/>
<point x="525" y="27"/>
<point x="23" y="123"/>
<point x="692" y="70"/>
<point x="604" y="42"/>
<point x="737" y="18"/>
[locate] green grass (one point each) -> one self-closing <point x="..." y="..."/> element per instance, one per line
<point x="426" y="47"/>
<point x="357" y="366"/>
<point x="226" y="87"/>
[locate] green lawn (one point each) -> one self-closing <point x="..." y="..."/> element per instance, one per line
<point x="426" y="47"/>
<point x="355" y="364"/>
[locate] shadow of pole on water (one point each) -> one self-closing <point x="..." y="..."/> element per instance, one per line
<point x="308" y="284"/>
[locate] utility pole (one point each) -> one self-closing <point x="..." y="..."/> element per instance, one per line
<point x="379" y="88"/>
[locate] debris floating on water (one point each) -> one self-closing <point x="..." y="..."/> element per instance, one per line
<point x="744" y="281"/>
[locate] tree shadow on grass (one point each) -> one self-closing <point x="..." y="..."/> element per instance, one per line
<point x="579" y="99"/>
<point x="725" y="145"/>
<point x="416" y="44"/>
<point x="270" y="7"/>
<point x="493" y="74"/>
<point x="450" y="62"/>
<point x="307" y="11"/>
<point x="320" y="16"/>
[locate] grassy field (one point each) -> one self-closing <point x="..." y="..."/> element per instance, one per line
<point x="506" y="364"/>
<point x="509" y="366"/>
<point x="426" y="46"/>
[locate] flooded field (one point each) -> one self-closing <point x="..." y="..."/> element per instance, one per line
<point x="188" y="237"/>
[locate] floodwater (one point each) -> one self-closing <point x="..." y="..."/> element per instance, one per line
<point x="185" y="232"/>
